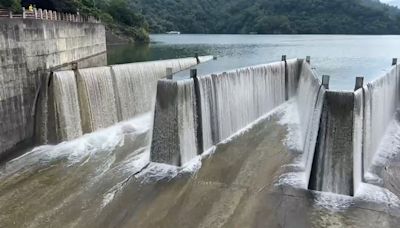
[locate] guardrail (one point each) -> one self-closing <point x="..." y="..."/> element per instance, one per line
<point x="41" y="14"/>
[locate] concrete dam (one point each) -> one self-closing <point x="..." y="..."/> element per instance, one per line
<point x="30" y="50"/>
<point x="340" y="131"/>
<point x="129" y="146"/>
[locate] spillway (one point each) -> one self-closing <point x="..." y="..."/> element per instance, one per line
<point x="97" y="98"/>
<point x="174" y="140"/>
<point x="229" y="102"/>
<point x="381" y="99"/>
<point x="67" y="112"/>
<point x="86" y="100"/>
<point x="310" y="96"/>
<point x="135" y="83"/>
<point x="332" y="169"/>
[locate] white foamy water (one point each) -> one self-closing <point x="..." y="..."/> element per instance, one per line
<point x="97" y="98"/>
<point x="381" y="101"/>
<point x="232" y="100"/>
<point x="66" y="105"/>
<point x="136" y="83"/>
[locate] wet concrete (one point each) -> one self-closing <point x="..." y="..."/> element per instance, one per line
<point x="233" y="188"/>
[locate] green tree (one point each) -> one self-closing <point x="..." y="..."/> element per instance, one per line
<point x="14" y="5"/>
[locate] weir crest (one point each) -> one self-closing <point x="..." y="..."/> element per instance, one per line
<point x="336" y="128"/>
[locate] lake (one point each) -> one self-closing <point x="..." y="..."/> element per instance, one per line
<point x="343" y="57"/>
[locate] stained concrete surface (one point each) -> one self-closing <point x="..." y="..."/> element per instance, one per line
<point x="233" y="188"/>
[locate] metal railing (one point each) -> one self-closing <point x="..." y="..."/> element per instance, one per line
<point x="41" y="14"/>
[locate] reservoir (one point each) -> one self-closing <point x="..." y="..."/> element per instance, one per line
<point x="343" y="57"/>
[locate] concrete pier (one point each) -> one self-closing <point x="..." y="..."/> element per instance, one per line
<point x="30" y="49"/>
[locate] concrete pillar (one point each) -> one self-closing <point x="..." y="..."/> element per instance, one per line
<point x="23" y="12"/>
<point x="193" y="73"/>
<point x="283" y="57"/>
<point x="40" y="14"/>
<point x="325" y="81"/>
<point x="169" y="73"/>
<point x="46" y="16"/>
<point x="394" y="61"/>
<point x="359" y="83"/>
<point x="308" y="59"/>
<point x="50" y="15"/>
<point x="10" y="14"/>
<point x="36" y="13"/>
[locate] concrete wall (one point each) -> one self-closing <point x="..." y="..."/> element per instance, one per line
<point x="229" y="101"/>
<point x="107" y="95"/>
<point x="29" y="50"/>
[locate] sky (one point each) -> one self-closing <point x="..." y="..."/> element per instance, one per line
<point x="392" y="2"/>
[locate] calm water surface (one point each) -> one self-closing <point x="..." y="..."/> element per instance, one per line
<point x="342" y="56"/>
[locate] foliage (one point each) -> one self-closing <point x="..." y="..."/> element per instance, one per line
<point x="270" y="16"/>
<point x="115" y="14"/>
<point x="13" y="5"/>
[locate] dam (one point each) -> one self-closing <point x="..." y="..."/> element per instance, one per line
<point x="131" y="145"/>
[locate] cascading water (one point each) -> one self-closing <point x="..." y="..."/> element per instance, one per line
<point x="310" y="96"/>
<point x="186" y="119"/>
<point x="332" y="169"/>
<point x="174" y="138"/>
<point x="136" y="83"/>
<point x="67" y="111"/>
<point x="381" y="99"/>
<point x="97" y="98"/>
<point x="232" y="100"/>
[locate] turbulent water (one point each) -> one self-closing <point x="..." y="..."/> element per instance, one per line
<point x="174" y="133"/>
<point x="310" y="97"/>
<point x="67" y="111"/>
<point x="136" y="83"/>
<point x="71" y="183"/>
<point x="381" y="99"/>
<point x="97" y="98"/>
<point x="232" y="100"/>
<point x="332" y="169"/>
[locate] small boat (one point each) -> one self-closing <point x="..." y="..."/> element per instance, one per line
<point x="174" y="32"/>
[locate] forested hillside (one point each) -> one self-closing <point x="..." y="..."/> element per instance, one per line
<point x="118" y="17"/>
<point x="270" y="16"/>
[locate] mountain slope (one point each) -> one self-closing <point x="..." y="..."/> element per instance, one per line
<point x="270" y="16"/>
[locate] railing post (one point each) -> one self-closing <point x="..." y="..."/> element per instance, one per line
<point x="325" y="81"/>
<point x="36" y="13"/>
<point x="40" y="13"/>
<point x="169" y="73"/>
<point x="394" y="61"/>
<point x="286" y="78"/>
<point x="23" y="13"/>
<point x="359" y="83"/>
<point x="199" y="130"/>
<point x="196" y="55"/>
<point x="308" y="59"/>
<point x="10" y="14"/>
<point x="46" y="16"/>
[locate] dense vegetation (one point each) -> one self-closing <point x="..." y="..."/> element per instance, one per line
<point x="270" y="16"/>
<point x="115" y="14"/>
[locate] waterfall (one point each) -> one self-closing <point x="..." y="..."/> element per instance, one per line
<point x="67" y="111"/>
<point x="186" y="120"/>
<point x="310" y="96"/>
<point x="174" y="139"/>
<point x="232" y="100"/>
<point x="97" y="99"/>
<point x="135" y="83"/>
<point x="381" y="100"/>
<point x="332" y="169"/>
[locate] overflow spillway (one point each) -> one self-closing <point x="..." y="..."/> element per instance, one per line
<point x="229" y="101"/>
<point x="86" y="100"/>
<point x="332" y="169"/>
<point x="336" y="128"/>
